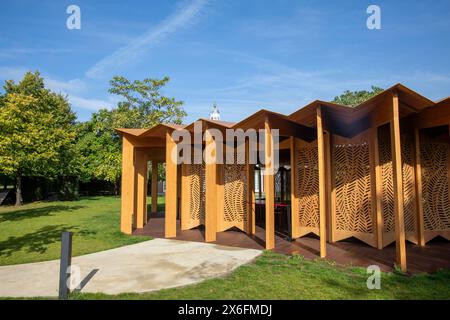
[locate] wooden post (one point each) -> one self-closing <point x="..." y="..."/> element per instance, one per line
<point x="295" y="214"/>
<point x="322" y="185"/>
<point x="398" y="184"/>
<point x="378" y="184"/>
<point x="128" y="195"/>
<point x="184" y="216"/>
<point x="269" y="188"/>
<point x="141" y="166"/>
<point x="154" y="186"/>
<point x="65" y="265"/>
<point x="171" y="188"/>
<point x="418" y="173"/>
<point x="211" y="189"/>
<point x="220" y="198"/>
<point x="250" y="196"/>
<point x="329" y="182"/>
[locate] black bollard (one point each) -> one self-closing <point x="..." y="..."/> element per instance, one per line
<point x="66" y="260"/>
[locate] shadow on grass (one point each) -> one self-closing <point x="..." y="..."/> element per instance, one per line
<point x="37" y="242"/>
<point x="22" y="214"/>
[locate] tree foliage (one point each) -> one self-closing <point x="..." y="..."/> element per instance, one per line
<point x="142" y="106"/>
<point x="36" y="131"/>
<point x="354" y="98"/>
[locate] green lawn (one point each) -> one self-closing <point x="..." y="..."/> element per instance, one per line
<point x="275" y="276"/>
<point x="32" y="232"/>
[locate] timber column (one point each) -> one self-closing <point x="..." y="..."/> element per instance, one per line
<point x="211" y="187"/>
<point x="398" y="184"/>
<point x="322" y="185"/>
<point x="141" y="170"/>
<point x="171" y="187"/>
<point x="269" y="187"/>
<point x="154" y="186"/>
<point x="128" y="203"/>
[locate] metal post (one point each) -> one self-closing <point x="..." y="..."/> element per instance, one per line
<point x="64" y="271"/>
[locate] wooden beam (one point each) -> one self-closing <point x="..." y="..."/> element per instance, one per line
<point x="154" y="186"/>
<point x="128" y="194"/>
<point x="269" y="188"/>
<point x="211" y="190"/>
<point x="419" y="196"/>
<point x="171" y="188"/>
<point x="295" y="214"/>
<point x="322" y="185"/>
<point x="398" y="184"/>
<point x="377" y="186"/>
<point x="141" y="203"/>
<point x="250" y="196"/>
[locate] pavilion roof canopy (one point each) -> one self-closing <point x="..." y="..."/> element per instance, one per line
<point x="278" y="121"/>
<point x="208" y="123"/>
<point x="132" y="132"/>
<point x="340" y="119"/>
<point x="348" y="121"/>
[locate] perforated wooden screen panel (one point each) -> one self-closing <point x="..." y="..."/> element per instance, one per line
<point x="308" y="187"/>
<point x="235" y="190"/>
<point x="352" y="182"/>
<point x="196" y="194"/>
<point x="409" y="193"/>
<point x="435" y="185"/>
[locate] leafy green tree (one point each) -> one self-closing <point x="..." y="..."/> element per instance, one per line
<point x="142" y="106"/>
<point x="36" y="131"/>
<point x="354" y="98"/>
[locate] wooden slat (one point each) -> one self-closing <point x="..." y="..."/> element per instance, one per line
<point x="330" y="178"/>
<point x="211" y="190"/>
<point x="128" y="204"/>
<point x="184" y="216"/>
<point x="295" y="214"/>
<point x="398" y="185"/>
<point x="322" y="185"/>
<point x="154" y="186"/>
<point x="141" y="201"/>
<point x="378" y="180"/>
<point x="250" y="196"/>
<point x="269" y="188"/>
<point x="171" y="189"/>
<point x="419" y="196"/>
<point x="220" y="198"/>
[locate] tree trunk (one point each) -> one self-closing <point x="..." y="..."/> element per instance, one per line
<point x="19" y="190"/>
<point x="116" y="187"/>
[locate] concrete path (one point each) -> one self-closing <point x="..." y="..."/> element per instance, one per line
<point x="142" y="267"/>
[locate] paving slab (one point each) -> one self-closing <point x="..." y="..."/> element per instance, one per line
<point x="143" y="267"/>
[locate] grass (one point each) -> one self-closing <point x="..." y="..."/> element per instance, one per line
<point x="32" y="232"/>
<point x="276" y="276"/>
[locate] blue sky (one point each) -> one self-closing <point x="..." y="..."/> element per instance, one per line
<point x="244" y="55"/>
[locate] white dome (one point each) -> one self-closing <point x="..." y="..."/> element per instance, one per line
<point x="214" y="114"/>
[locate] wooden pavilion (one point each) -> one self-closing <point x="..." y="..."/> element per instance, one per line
<point x="378" y="172"/>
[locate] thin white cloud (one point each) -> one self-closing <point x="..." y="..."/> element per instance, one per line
<point x="12" y="73"/>
<point x="74" y="85"/>
<point x="89" y="104"/>
<point x="181" y="18"/>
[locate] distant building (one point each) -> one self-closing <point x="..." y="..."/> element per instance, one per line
<point x="215" y="114"/>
